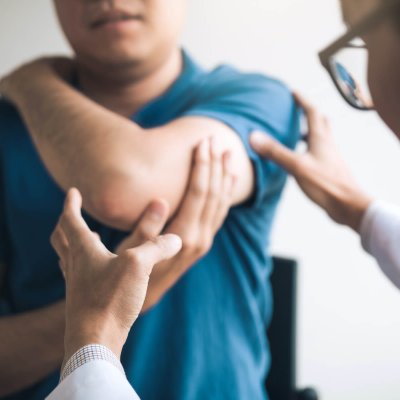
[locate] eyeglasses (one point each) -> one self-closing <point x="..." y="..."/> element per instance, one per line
<point x="346" y="60"/>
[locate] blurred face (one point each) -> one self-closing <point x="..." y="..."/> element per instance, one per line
<point x="384" y="74"/>
<point x="383" y="44"/>
<point x="356" y="10"/>
<point x="119" y="32"/>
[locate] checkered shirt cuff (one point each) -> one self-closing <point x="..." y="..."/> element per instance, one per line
<point x="86" y="354"/>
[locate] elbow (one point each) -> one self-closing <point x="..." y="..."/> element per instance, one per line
<point x="107" y="209"/>
<point x="114" y="204"/>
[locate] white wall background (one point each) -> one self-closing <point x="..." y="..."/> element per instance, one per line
<point x="349" y="323"/>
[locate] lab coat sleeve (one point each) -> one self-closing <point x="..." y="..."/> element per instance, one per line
<point x="95" y="380"/>
<point x="380" y="237"/>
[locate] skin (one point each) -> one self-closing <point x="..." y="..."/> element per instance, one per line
<point x="355" y="10"/>
<point x="125" y="65"/>
<point x="321" y="172"/>
<point x="118" y="282"/>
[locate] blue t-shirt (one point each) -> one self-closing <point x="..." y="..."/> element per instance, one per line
<point x="206" y="339"/>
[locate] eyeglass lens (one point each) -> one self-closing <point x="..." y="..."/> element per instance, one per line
<point x="349" y="69"/>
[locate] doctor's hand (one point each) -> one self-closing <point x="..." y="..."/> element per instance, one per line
<point x="201" y="214"/>
<point x="104" y="291"/>
<point x="320" y="172"/>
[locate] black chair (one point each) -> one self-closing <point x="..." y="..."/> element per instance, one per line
<point x="281" y="382"/>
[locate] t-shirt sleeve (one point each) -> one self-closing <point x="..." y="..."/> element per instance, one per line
<point x="249" y="102"/>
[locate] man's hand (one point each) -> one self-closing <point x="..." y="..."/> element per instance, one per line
<point x="320" y="172"/>
<point x="104" y="291"/>
<point x="201" y="214"/>
<point x="42" y="68"/>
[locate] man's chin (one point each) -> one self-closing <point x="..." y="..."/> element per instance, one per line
<point x="115" y="59"/>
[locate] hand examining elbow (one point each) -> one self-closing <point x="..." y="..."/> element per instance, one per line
<point x="104" y="291"/>
<point x="206" y="203"/>
<point x="320" y="172"/>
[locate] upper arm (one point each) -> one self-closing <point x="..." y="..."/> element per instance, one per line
<point x="174" y="145"/>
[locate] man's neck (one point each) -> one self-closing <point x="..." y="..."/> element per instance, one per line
<point x="125" y="90"/>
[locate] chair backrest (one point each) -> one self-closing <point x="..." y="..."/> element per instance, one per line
<point x="281" y="382"/>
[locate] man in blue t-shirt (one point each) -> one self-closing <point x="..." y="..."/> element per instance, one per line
<point x="123" y="133"/>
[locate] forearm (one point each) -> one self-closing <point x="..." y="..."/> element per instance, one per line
<point x="109" y="158"/>
<point x="81" y="143"/>
<point x="347" y="204"/>
<point x="31" y="347"/>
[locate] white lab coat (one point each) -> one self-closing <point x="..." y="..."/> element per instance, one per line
<point x="96" y="380"/>
<point x="380" y="237"/>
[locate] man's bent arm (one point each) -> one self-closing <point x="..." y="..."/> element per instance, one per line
<point x="118" y="166"/>
<point x="31" y="347"/>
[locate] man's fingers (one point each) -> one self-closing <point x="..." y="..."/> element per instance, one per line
<point x="271" y="149"/>
<point x="154" y="251"/>
<point x="196" y="194"/>
<point x="71" y="220"/>
<point x="215" y="185"/>
<point x="226" y="196"/>
<point x="149" y="226"/>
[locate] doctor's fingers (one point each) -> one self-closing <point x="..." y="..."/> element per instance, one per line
<point x="61" y="246"/>
<point x="196" y="194"/>
<point x="150" y="225"/>
<point x="318" y="123"/>
<point x="73" y="225"/>
<point x="270" y="149"/>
